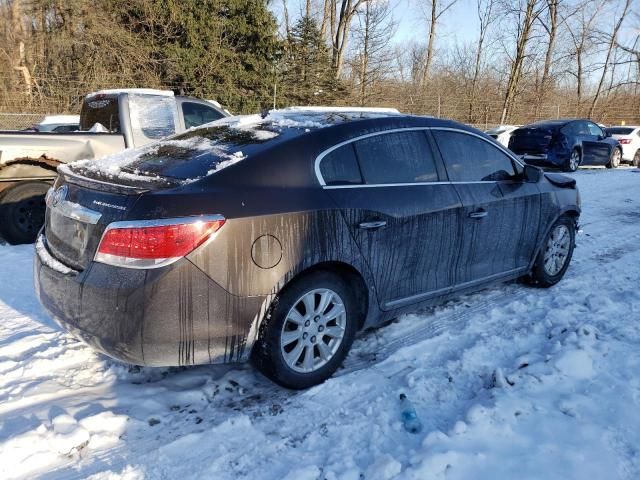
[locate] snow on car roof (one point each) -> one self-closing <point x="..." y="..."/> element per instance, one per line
<point x="56" y="119"/>
<point x="139" y="91"/>
<point x="306" y="117"/>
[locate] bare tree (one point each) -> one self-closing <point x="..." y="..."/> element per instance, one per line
<point x="486" y="16"/>
<point x="373" y="34"/>
<point x="340" y="34"/>
<point x="435" y="10"/>
<point x="580" y="26"/>
<point x="611" y="44"/>
<point x="550" y="24"/>
<point x="525" y="16"/>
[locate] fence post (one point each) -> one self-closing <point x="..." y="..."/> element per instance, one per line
<point x="558" y="112"/>
<point x="439" y="106"/>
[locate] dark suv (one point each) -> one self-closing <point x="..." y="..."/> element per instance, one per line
<point x="565" y="144"/>
<point x="278" y="238"/>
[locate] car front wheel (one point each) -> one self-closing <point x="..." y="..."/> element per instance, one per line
<point x="307" y="332"/>
<point x="616" y="158"/>
<point x="555" y="253"/>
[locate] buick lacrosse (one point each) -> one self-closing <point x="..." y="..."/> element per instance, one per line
<point x="276" y="238"/>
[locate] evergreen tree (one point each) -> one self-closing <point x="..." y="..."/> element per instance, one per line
<point x="308" y="77"/>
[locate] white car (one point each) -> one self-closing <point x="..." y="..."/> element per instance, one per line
<point x="59" y="124"/>
<point x="502" y="133"/>
<point x="629" y="138"/>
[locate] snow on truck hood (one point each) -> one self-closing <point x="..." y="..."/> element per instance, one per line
<point x="209" y="148"/>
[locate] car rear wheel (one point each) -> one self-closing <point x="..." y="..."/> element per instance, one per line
<point x="22" y="210"/>
<point x="575" y="159"/>
<point x="636" y="159"/>
<point x="307" y="332"/>
<point x="616" y="158"/>
<point x="555" y="253"/>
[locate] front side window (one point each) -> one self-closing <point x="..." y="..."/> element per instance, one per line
<point x="340" y="167"/>
<point x="471" y="159"/>
<point x="595" y="130"/>
<point x="581" y="128"/>
<point x="397" y="157"/>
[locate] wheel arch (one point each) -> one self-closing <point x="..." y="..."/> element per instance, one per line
<point x="348" y="272"/>
<point x="351" y="275"/>
<point x="571" y="211"/>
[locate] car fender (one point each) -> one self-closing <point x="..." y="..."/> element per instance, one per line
<point x="573" y="209"/>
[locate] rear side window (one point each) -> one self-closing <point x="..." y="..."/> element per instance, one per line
<point x="471" y="159"/>
<point x="398" y="157"/>
<point x="340" y="167"/>
<point x="196" y="114"/>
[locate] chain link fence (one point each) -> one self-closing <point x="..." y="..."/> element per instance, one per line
<point x="19" y="121"/>
<point x="59" y="96"/>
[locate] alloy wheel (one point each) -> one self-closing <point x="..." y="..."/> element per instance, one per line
<point x="616" y="156"/>
<point x="574" y="160"/>
<point x="313" y="330"/>
<point x="557" y="250"/>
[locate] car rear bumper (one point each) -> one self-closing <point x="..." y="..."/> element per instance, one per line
<point x="551" y="159"/>
<point x="168" y="316"/>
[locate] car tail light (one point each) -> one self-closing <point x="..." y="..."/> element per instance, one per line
<point x="624" y="141"/>
<point x="156" y="243"/>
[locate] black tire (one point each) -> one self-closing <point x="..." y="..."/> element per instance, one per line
<point x="267" y="354"/>
<point x="572" y="165"/>
<point x="22" y="210"/>
<point x="615" y="158"/>
<point x="539" y="276"/>
<point x="636" y="159"/>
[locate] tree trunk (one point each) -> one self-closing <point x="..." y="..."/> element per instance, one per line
<point x="552" y="6"/>
<point x="516" y="66"/>
<point x="432" y="36"/>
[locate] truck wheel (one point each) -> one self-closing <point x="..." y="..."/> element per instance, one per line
<point x="22" y="212"/>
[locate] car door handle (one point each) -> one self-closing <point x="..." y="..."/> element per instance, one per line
<point x="478" y="214"/>
<point x="372" y="225"/>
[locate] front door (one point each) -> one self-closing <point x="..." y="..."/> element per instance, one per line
<point x="501" y="212"/>
<point x="404" y="221"/>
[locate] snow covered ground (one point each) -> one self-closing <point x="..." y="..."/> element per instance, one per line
<point x="511" y="382"/>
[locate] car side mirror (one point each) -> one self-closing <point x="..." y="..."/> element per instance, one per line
<point x="607" y="134"/>
<point x="532" y="174"/>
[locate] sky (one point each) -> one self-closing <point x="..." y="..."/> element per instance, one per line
<point x="458" y="24"/>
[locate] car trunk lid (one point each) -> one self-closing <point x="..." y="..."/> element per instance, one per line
<point x="531" y="140"/>
<point x="77" y="215"/>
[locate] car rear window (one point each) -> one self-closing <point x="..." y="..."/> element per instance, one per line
<point x="199" y="152"/>
<point x="620" y="131"/>
<point x="398" y="157"/>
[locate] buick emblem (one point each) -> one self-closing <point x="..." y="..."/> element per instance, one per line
<point x="59" y="195"/>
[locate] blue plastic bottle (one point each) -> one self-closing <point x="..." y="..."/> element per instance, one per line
<point x="409" y="416"/>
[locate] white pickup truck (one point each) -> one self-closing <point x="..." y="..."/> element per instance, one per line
<point x="110" y="121"/>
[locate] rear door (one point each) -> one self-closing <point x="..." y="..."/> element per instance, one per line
<point x="404" y="220"/>
<point x="501" y="212"/>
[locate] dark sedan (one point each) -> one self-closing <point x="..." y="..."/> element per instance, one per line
<point x="565" y="144"/>
<point x="278" y="238"/>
